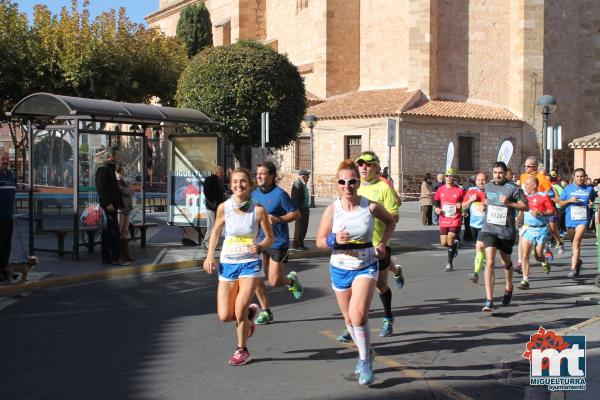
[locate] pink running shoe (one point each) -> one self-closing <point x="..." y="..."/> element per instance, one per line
<point x="240" y="357"/>
<point x="252" y="310"/>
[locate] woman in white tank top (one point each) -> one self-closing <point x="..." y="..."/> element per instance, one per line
<point x="240" y="266"/>
<point x="347" y="228"/>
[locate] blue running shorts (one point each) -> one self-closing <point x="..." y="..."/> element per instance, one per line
<point x="341" y="279"/>
<point x="232" y="272"/>
<point x="537" y="235"/>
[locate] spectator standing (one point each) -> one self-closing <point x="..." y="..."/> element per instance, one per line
<point x="439" y="182"/>
<point x="109" y="197"/>
<point x="301" y="199"/>
<point x="426" y="200"/>
<point x="7" y="211"/>
<point x="214" y="194"/>
<point x="123" y="212"/>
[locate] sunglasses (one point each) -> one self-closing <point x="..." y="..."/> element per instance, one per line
<point x="345" y="182"/>
<point x="361" y="163"/>
<point x="531" y="166"/>
<point x="449" y="176"/>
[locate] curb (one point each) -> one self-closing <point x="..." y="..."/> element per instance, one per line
<point x="115" y="273"/>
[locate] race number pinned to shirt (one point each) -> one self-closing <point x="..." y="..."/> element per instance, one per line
<point x="449" y="210"/>
<point x="497" y="215"/>
<point x="578" y="213"/>
<point x="236" y="245"/>
<point x="477" y="209"/>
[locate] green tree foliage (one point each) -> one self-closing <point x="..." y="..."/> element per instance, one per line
<point x="194" y="28"/>
<point x="233" y="84"/>
<point x="15" y="65"/>
<point x="110" y="57"/>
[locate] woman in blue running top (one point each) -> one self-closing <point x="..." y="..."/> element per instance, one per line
<point x="347" y="228"/>
<point x="240" y="266"/>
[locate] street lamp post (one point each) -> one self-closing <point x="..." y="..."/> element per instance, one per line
<point x="548" y="104"/>
<point x="310" y="121"/>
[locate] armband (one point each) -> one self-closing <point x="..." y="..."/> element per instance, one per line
<point x="331" y="240"/>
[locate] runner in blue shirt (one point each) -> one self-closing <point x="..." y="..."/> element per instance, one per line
<point x="578" y="200"/>
<point x="281" y="211"/>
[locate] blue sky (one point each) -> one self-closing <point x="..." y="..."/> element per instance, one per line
<point x="136" y="9"/>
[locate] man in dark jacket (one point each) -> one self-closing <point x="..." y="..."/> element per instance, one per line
<point x="301" y="200"/>
<point x="109" y="197"/>
<point x="214" y="194"/>
<point x="7" y="211"/>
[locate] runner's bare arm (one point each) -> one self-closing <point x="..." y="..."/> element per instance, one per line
<point x="210" y="263"/>
<point x="325" y="227"/>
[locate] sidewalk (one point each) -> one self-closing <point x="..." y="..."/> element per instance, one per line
<point x="164" y="251"/>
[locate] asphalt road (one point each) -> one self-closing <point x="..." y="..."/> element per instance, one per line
<point x="157" y="336"/>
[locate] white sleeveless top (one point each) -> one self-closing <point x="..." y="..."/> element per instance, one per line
<point x="359" y="224"/>
<point x="241" y="232"/>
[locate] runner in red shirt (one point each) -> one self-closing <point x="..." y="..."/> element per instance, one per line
<point x="448" y="203"/>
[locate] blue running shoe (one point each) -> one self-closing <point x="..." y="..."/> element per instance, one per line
<point x="365" y="376"/>
<point x="345" y="336"/>
<point x="371" y="358"/>
<point x="387" y="327"/>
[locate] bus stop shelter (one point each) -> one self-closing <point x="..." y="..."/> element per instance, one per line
<point x="82" y="116"/>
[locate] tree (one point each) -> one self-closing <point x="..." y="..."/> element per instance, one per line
<point x="194" y="28"/>
<point x="234" y="84"/>
<point x="15" y="65"/>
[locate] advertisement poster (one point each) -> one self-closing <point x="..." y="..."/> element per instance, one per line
<point x="192" y="159"/>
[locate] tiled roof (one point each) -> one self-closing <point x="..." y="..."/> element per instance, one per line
<point x="312" y="99"/>
<point x="374" y="103"/>
<point x="461" y="110"/>
<point x="586" y="142"/>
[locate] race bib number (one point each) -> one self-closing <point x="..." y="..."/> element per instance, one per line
<point x="477" y="210"/>
<point x="234" y="245"/>
<point x="352" y="259"/>
<point x="578" y="213"/>
<point x="497" y="215"/>
<point x="449" y="210"/>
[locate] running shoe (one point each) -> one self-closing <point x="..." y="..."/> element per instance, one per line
<point x="345" y="336"/>
<point x="264" y="317"/>
<point x="546" y="267"/>
<point x="524" y="284"/>
<point x="399" y="277"/>
<point x="371" y="358"/>
<point x="548" y="254"/>
<point x="519" y="268"/>
<point x="387" y="327"/>
<point x="296" y="287"/>
<point x="575" y="273"/>
<point x="488" y="306"/>
<point x="507" y="298"/>
<point x="239" y="357"/>
<point x="474" y="277"/>
<point x="561" y="249"/>
<point x="365" y="376"/>
<point x="252" y="310"/>
<point x="449" y="267"/>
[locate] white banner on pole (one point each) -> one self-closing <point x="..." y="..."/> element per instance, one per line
<point x="449" y="155"/>
<point x="505" y="152"/>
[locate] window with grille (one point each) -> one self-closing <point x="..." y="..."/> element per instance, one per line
<point x="468" y="152"/>
<point x="303" y="153"/>
<point x="301" y="5"/>
<point x="353" y="147"/>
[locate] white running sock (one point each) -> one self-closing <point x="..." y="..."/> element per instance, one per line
<point x="363" y="340"/>
<point x="525" y="278"/>
<point x="351" y="332"/>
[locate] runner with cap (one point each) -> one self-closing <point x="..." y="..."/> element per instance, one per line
<point x="447" y="204"/>
<point x="498" y="232"/>
<point x="578" y="200"/>
<point x="375" y="189"/>
<point x="535" y="231"/>
<point x="475" y="202"/>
